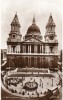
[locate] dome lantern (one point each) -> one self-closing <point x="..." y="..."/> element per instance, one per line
<point x="33" y="21"/>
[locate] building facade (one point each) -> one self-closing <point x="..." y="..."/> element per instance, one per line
<point x="32" y="51"/>
<point x="3" y="55"/>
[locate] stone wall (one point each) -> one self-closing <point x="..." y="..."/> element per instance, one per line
<point x="32" y="61"/>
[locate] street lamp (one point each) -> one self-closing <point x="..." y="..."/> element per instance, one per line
<point x="52" y="81"/>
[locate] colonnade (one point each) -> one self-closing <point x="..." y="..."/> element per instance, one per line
<point x="32" y="61"/>
<point x="13" y="49"/>
<point x="30" y="48"/>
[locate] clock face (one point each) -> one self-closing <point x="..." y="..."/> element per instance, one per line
<point x="51" y="37"/>
<point x="13" y="36"/>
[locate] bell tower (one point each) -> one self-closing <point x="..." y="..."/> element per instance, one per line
<point x="50" y="30"/>
<point x="51" y="37"/>
<point x="13" y="42"/>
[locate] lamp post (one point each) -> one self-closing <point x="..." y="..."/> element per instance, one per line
<point x="52" y="81"/>
<point x="22" y="81"/>
<point x="40" y="82"/>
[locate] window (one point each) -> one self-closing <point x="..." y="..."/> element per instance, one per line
<point x="51" y="48"/>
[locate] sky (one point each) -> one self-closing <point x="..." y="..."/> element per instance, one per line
<point x="26" y="9"/>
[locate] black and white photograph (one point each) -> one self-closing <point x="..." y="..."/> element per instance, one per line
<point x="31" y="50"/>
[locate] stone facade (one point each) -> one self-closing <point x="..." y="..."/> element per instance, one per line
<point x="32" y="51"/>
<point x="3" y="55"/>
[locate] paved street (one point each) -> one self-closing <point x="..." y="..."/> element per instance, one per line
<point x="7" y="96"/>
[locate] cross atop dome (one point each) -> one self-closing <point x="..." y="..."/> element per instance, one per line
<point x="33" y="21"/>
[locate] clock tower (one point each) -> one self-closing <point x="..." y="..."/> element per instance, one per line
<point x="13" y="42"/>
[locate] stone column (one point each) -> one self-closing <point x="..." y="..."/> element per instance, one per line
<point x="34" y="48"/>
<point x="40" y="48"/>
<point x="18" y="48"/>
<point x="36" y="61"/>
<point x="25" y="48"/>
<point x="3" y="55"/>
<point x="40" y="62"/>
<point x="15" y="49"/>
<point x="9" y="49"/>
<point x="30" y="48"/>
<point x="30" y="61"/>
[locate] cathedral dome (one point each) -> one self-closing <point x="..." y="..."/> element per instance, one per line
<point x="33" y="31"/>
<point x="33" y="28"/>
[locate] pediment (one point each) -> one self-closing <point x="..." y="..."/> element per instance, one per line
<point x="32" y="40"/>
